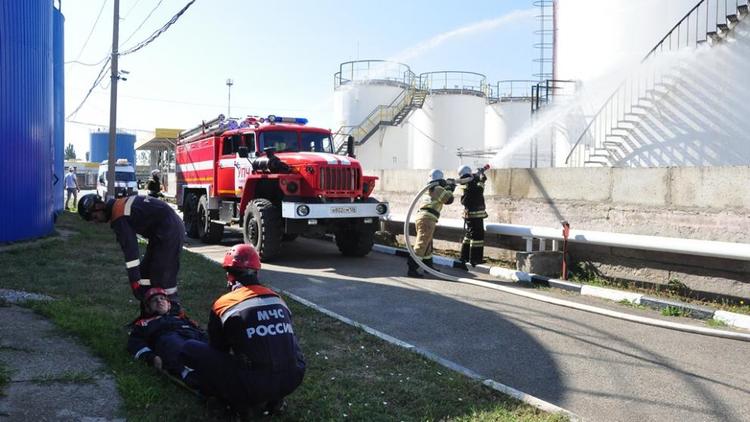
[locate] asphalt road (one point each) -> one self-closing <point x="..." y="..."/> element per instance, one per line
<point x="600" y="368"/>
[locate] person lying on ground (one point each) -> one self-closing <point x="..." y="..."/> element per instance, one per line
<point x="159" y="336"/>
<point x="253" y="359"/>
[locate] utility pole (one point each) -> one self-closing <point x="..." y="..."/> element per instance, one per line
<point x="113" y="104"/>
<point x="230" y="82"/>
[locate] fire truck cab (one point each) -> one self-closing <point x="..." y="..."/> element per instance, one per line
<point x="277" y="178"/>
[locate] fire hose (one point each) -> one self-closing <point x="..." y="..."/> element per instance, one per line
<point x="560" y="302"/>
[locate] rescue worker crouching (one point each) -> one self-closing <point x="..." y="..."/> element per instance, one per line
<point x="253" y="324"/>
<point x="154" y="184"/>
<point x="427" y="217"/>
<point x="153" y="219"/>
<point x="472" y="248"/>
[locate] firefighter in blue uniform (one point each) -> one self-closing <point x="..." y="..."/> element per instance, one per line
<point x="472" y="248"/>
<point x="253" y="360"/>
<point x="158" y="336"/>
<point x="151" y="218"/>
<point x="427" y="218"/>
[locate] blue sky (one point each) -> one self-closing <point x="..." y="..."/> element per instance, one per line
<point x="281" y="55"/>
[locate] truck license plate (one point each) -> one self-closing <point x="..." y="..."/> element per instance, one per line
<point x="343" y="210"/>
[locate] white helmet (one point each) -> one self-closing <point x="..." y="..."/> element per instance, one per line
<point x="464" y="171"/>
<point x="155" y="172"/>
<point x="436" y="174"/>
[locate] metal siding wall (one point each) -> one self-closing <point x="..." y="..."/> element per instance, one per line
<point x="99" y="146"/>
<point x="26" y="124"/>
<point x="58" y="42"/>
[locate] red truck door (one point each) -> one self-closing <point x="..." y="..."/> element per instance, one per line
<point x="226" y="164"/>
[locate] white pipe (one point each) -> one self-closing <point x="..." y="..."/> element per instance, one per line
<point x="728" y="250"/>
<point x="560" y="302"/>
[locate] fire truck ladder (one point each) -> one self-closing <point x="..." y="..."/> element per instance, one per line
<point x="392" y="114"/>
<point x="217" y="124"/>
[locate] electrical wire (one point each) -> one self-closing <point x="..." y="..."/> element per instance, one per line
<point x="143" y="22"/>
<point x="97" y="81"/>
<point x="158" y="32"/>
<point x="104" y="3"/>
<point x="131" y="9"/>
<point x="135" y="48"/>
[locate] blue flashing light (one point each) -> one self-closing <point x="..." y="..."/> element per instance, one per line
<point x="279" y="119"/>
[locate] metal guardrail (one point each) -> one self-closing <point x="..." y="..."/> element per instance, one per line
<point x="451" y="81"/>
<point x="372" y="71"/>
<point x="703" y="23"/>
<point x="708" y="248"/>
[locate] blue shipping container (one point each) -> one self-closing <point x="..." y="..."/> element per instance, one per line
<point x="26" y="120"/>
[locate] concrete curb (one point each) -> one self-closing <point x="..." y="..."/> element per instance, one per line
<point x="686" y="309"/>
<point x="518" y="395"/>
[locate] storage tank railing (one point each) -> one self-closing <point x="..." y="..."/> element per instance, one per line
<point x="374" y="72"/>
<point x="454" y="82"/>
<point x="707" y="22"/>
<point x="382" y="114"/>
<point x="510" y="90"/>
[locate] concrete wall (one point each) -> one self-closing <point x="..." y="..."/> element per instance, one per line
<point x="708" y="203"/>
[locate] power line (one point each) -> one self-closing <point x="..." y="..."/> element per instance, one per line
<point x="97" y="81"/>
<point x="131" y="9"/>
<point x="104" y="3"/>
<point x="135" y="48"/>
<point x="158" y="32"/>
<point x="144" y="21"/>
<point x="77" y="122"/>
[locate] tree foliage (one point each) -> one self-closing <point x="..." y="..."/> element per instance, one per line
<point x="70" y="152"/>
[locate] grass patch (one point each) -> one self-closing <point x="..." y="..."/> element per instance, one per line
<point x="716" y="323"/>
<point x="350" y="374"/>
<point x="4" y="378"/>
<point x="675" y="311"/>
<point x="630" y="304"/>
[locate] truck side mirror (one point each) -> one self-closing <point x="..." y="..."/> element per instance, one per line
<point x="242" y="151"/>
<point x="350" y="146"/>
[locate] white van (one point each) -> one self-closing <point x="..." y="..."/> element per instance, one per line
<point x="125" y="183"/>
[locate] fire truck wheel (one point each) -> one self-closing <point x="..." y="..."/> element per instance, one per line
<point x="356" y="241"/>
<point x="208" y="232"/>
<point x="263" y="228"/>
<point x="189" y="211"/>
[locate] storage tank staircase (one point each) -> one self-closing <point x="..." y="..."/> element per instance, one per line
<point x="624" y="123"/>
<point x="392" y="114"/>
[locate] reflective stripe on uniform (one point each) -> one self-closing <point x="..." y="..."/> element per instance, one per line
<point x="129" y="204"/>
<point x="170" y="291"/>
<point x="476" y="243"/>
<point x="144" y="282"/>
<point x="132" y="264"/>
<point x="185" y="372"/>
<point x="252" y="303"/>
<point x="142" y="351"/>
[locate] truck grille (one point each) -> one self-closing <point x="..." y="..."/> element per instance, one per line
<point x="339" y="179"/>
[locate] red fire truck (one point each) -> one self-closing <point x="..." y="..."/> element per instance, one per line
<point x="277" y="178"/>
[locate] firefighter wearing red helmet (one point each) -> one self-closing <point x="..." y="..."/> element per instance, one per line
<point x="154" y="220"/>
<point x="253" y="360"/>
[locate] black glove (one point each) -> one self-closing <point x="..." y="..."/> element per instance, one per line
<point x="442" y="183"/>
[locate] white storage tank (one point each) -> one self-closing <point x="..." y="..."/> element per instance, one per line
<point x="363" y="85"/>
<point x="455" y="107"/>
<point x="594" y="37"/>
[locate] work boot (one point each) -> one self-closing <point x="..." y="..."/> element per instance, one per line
<point x="414" y="270"/>
<point x="429" y="263"/>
